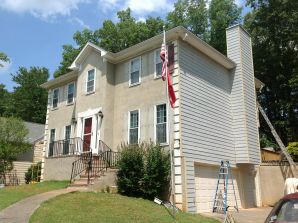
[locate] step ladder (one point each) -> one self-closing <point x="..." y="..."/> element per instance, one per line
<point x="279" y="142"/>
<point x="220" y="203"/>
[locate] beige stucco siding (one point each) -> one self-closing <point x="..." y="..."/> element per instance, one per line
<point x="144" y="96"/>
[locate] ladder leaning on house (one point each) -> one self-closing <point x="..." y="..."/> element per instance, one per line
<point x="279" y="142"/>
<point x="220" y="202"/>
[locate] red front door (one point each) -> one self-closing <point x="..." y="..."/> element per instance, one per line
<point x="87" y="134"/>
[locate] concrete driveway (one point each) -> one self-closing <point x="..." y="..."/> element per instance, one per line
<point x="251" y="215"/>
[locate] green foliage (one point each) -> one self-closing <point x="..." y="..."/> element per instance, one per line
<point x="191" y="14"/>
<point x="265" y="141"/>
<point x="131" y="170"/>
<point x="12" y="142"/>
<point x="33" y="173"/>
<point x="273" y="26"/>
<point x="156" y="172"/>
<point x="4" y="94"/>
<point x="3" y="58"/>
<point x="293" y="150"/>
<point x="222" y="14"/>
<point x="29" y="100"/>
<point x="144" y="171"/>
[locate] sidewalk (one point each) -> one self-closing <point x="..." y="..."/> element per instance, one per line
<point x="21" y="211"/>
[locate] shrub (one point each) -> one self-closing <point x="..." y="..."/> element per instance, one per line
<point x="156" y="172"/>
<point x="131" y="170"/>
<point x="293" y="150"/>
<point x="144" y="170"/>
<point x="33" y="173"/>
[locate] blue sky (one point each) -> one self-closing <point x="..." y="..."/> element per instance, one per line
<point x="33" y="31"/>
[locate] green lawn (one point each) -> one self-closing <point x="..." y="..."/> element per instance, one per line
<point x="10" y="195"/>
<point x="107" y="208"/>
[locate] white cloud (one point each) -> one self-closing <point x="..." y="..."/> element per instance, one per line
<point x="45" y="9"/>
<point x="139" y="7"/>
<point x="6" y="67"/>
<point x="76" y="20"/>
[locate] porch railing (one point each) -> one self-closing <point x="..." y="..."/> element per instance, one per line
<point x="73" y="146"/>
<point x="94" y="164"/>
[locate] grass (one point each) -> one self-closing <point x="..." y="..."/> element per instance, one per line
<point x="108" y="208"/>
<point x="10" y="195"/>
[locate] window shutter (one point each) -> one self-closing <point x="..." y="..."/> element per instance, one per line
<point x="171" y="57"/>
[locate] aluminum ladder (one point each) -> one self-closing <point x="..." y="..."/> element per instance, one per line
<point x="220" y="202"/>
<point x="279" y="142"/>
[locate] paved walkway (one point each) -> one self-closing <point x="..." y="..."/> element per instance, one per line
<point x="21" y="211"/>
<point x="251" y="215"/>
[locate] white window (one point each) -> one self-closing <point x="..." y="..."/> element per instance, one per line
<point x="52" y="141"/>
<point x="55" y="98"/>
<point x="157" y="63"/>
<point x="90" y="81"/>
<point x="134" y="129"/>
<point x="161" y="131"/>
<point x="135" y="71"/>
<point x="70" y="93"/>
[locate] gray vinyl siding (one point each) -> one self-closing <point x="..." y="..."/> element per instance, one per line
<point x="206" y="119"/>
<point x="243" y="99"/>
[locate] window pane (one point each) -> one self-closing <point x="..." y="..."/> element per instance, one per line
<point x="67" y="132"/>
<point x="134" y="78"/>
<point x="161" y="114"/>
<point x="90" y="86"/>
<point x="158" y="68"/>
<point x="157" y="56"/>
<point x="91" y="75"/>
<point x="55" y="98"/>
<point x="161" y="133"/>
<point x="134" y="119"/>
<point x="70" y="93"/>
<point x="135" y="65"/>
<point x="161" y="123"/>
<point x="133" y="136"/>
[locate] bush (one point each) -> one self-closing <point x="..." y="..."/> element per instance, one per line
<point x="144" y="170"/>
<point x="33" y="173"/>
<point x="293" y="150"/>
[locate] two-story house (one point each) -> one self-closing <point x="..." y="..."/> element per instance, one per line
<point x="120" y="97"/>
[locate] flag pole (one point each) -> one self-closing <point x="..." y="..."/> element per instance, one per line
<point x="168" y="114"/>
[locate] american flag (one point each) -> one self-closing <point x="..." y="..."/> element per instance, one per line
<point x="165" y="74"/>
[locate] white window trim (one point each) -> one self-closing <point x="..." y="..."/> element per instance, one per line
<point x="140" y="71"/>
<point x="167" y="125"/>
<point x="91" y="92"/>
<point x="139" y="127"/>
<point x="74" y="93"/>
<point x="155" y="73"/>
<point x="53" y="108"/>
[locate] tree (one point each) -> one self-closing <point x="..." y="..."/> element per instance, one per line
<point x="222" y="14"/>
<point x="273" y="26"/>
<point x="191" y="14"/>
<point x="3" y="58"/>
<point x="4" y="94"/>
<point x="113" y="37"/>
<point x="29" y="100"/>
<point x="12" y="142"/>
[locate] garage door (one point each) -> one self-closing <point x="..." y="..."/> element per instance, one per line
<point x="205" y="186"/>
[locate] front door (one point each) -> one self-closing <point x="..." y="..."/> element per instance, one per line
<point x="87" y="135"/>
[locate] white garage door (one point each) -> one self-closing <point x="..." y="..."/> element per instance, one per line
<point x="206" y="181"/>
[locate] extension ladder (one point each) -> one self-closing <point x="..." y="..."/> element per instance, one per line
<point x="220" y="202"/>
<point x="279" y="142"/>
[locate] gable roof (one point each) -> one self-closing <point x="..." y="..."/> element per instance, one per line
<point x="154" y="42"/>
<point x="35" y="131"/>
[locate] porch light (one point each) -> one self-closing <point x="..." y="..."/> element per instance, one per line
<point x="100" y="114"/>
<point x="73" y="120"/>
